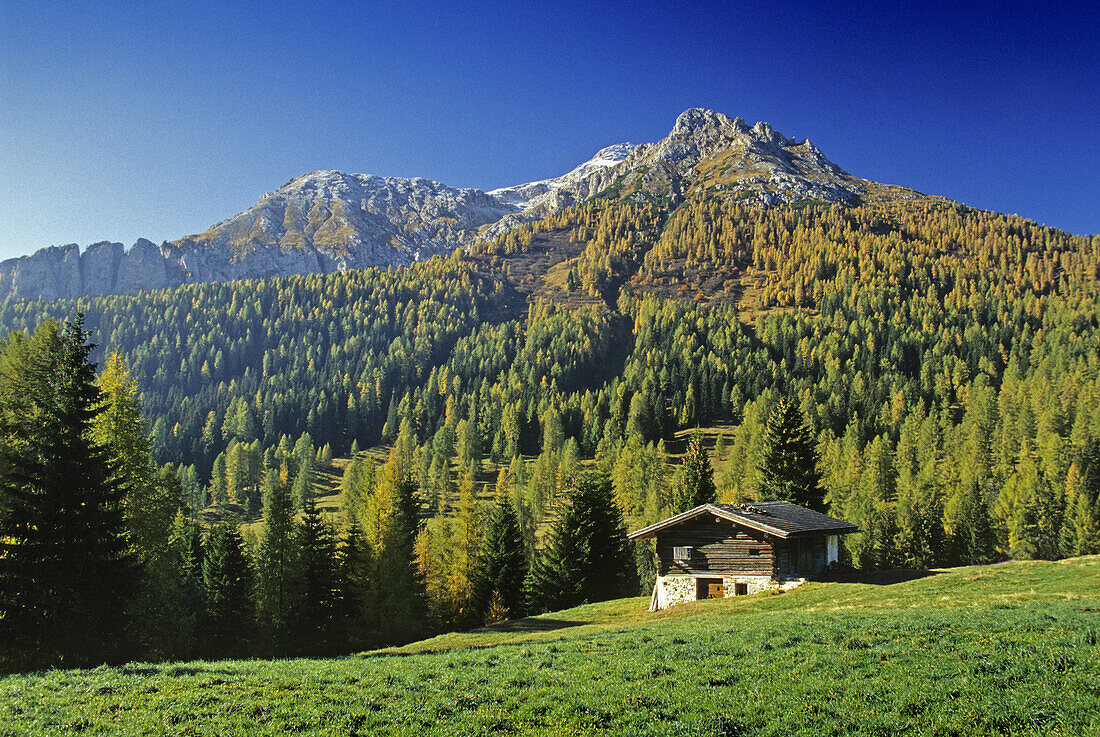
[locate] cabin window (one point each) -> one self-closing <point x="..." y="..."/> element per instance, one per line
<point x="754" y="551"/>
<point x="682" y="553"/>
<point x="740" y="589"/>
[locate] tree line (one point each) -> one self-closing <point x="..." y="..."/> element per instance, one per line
<point x="944" y="362"/>
<point x="100" y="560"/>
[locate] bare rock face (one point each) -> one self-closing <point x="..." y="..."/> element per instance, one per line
<point x="568" y="189"/>
<point x="142" y="267"/>
<point x="710" y="151"/>
<point x="345" y="221"/>
<point x="321" y="222"/>
<point x="100" y="262"/>
<point x="52" y="273"/>
<point x="332" y="221"/>
<point x="706" y="152"/>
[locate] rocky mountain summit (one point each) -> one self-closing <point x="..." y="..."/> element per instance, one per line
<point x="332" y="221"/>
<point x="713" y="153"/>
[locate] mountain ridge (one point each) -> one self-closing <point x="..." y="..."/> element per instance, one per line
<point x="329" y="220"/>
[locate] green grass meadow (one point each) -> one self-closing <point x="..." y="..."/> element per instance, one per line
<point x="1011" y="649"/>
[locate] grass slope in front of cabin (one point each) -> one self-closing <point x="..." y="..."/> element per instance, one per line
<point x="1006" y="649"/>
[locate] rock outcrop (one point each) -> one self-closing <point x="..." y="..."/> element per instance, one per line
<point x="331" y="221"/>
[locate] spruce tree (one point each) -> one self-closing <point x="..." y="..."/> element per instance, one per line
<point x="587" y="557"/>
<point x="973" y="539"/>
<point x="788" y="470"/>
<point x="187" y="548"/>
<point x="554" y="580"/>
<point x="354" y="565"/>
<point x="277" y="573"/>
<point x="400" y="603"/>
<point x="498" y="585"/>
<point x="317" y="613"/>
<point x="66" y="573"/>
<point x="228" y="612"/>
<point x="696" y="478"/>
<point x="150" y="499"/>
<point x="608" y="570"/>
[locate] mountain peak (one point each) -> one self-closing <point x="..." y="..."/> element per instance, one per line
<point x="329" y="220"/>
<point x="696" y="119"/>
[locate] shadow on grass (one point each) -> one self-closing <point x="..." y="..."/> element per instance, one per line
<point x="877" y="578"/>
<point x="141" y="669"/>
<point x="532" y="624"/>
<point x="528" y="624"/>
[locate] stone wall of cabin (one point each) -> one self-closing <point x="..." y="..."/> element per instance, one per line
<point x="676" y="589"/>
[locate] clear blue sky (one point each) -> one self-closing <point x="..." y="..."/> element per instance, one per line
<point x="127" y="120"/>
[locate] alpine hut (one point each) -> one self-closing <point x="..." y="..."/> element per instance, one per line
<point x="719" y="550"/>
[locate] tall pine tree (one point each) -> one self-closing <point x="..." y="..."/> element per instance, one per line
<point x="788" y="470"/>
<point x="587" y="557"/>
<point x="320" y="585"/>
<point x="696" y="478"/>
<point x="498" y="585"/>
<point x="278" y="580"/>
<point x="228" y="613"/>
<point x="65" y="571"/>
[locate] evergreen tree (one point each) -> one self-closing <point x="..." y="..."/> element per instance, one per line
<point x="277" y="573"/>
<point x="498" y="585"/>
<point x="972" y="538"/>
<point x="187" y="548"/>
<point x="302" y="493"/>
<point x="219" y="492"/>
<point x="600" y="527"/>
<point x="696" y="477"/>
<point x="149" y="504"/>
<point x="228" y="610"/>
<point x="788" y="470"/>
<point x="1031" y="509"/>
<point x="65" y="571"/>
<point x="317" y="614"/>
<point x="587" y="557"/>
<point x="353" y="589"/>
<point x="396" y="604"/>
<point x="919" y="541"/>
<point x="400" y="602"/>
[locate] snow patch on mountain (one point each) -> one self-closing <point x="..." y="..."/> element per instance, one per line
<point x="533" y="195"/>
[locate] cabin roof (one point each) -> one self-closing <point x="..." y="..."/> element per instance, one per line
<point x="781" y="519"/>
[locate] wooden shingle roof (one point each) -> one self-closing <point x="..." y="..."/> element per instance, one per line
<point x="782" y="519"/>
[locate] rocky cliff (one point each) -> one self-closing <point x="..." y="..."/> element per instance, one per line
<point x="330" y="220"/>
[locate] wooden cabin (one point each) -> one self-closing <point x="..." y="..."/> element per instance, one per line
<point x="719" y="550"/>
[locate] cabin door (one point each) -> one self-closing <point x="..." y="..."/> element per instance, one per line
<point x="709" y="588"/>
<point x="801" y="557"/>
<point x="806" y="556"/>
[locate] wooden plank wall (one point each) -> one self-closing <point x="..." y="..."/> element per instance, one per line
<point x="788" y="564"/>
<point x="717" y="547"/>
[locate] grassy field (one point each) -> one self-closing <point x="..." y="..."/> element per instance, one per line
<point x="1006" y="649"/>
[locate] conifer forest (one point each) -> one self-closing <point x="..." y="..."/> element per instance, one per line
<point x="497" y="420"/>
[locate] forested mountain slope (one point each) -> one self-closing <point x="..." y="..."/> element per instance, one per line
<point x="939" y="366"/>
<point x="947" y="359"/>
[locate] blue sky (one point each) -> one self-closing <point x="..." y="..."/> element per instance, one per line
<point x="120" y="121"/>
